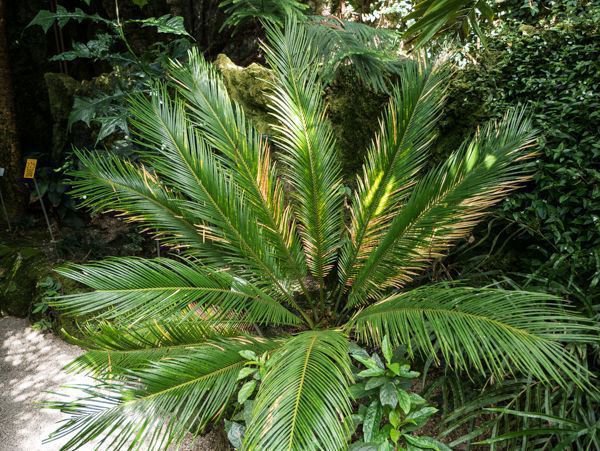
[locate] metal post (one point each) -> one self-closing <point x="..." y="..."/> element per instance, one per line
<point x="37" y="190"/>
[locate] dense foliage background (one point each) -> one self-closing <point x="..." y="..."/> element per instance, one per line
<point x="71" y="81"/>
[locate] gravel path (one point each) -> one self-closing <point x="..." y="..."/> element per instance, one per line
<point x="30" y="366"/>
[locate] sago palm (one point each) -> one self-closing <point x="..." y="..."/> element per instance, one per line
<point x="270" y="254"/>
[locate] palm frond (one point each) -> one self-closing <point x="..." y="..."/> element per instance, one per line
<point x="303" y="400"/>
<point x="486" y="330"/>
<point x="372" y="52"/>
<point x="214" y="196"/>
<point x="156" y="406"/>
<point x="437" y="17"/>
<point x="115" y="350"/>
<point x="272" y="11"/>
<point x="132" y="290"/>
<point x="223" y="124"/>
<point x="446" y="204"/>
<point x="310" y="161"/>
<point x="109" y="183"/>
<point x="394" y="159"/>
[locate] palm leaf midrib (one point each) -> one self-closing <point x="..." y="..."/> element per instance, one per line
<point x="372" y="207"/>
<point x="453" y="312"/>
<point x="300" y="387"/>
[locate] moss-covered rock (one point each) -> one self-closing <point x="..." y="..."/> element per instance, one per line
<point x="20" y="270"/>
<point x="354" y="111"/>
<point x="61" y="90"/>
<point x="249" y="86"/>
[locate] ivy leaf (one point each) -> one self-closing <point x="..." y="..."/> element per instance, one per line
<point x="246" y="391"/>
<point x="388" y="395"/>
<point x="371" y="421"/>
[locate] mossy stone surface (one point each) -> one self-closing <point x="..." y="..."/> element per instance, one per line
<point x="250" y="87"/>
<point x="20" y="270"/>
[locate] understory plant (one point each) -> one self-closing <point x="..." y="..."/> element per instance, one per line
<point x="271" y="255"/>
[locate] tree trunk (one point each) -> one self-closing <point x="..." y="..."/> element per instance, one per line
<point x="10" y="153"/>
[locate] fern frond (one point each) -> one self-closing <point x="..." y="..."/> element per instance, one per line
<point x="372" y="52"/>
<point x="271" y="11"/>
<point x="437" y="17"/>
<point x="303" y="401"/>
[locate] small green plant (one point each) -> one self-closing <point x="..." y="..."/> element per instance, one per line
<point x="252" y="373"/>
<point x="388" y="411"/>
<point x="132" y="69"/>
<point x="48" y="288"/>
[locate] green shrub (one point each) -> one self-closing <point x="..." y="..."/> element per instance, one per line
<point x="554" y="68"/>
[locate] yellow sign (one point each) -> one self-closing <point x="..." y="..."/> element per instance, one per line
<point x="30" y="168"/>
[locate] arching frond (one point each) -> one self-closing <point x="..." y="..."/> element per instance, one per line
<point x="158" y="405"/>
<point x="436" y="17"/>
<point x="446" y="204"/>
<point x="273" y="11"/>
<point x="246" y="153"/>
<point x="303" y="400"/>
<point x="116" y="350"/>
<point x="373" y="52"/>
<point x="132" y="290"/>
<point x="394" y="160"/>
<point x="108" y="183"/>
<point x="310" y="161"/>
<point x="486" y="330"/>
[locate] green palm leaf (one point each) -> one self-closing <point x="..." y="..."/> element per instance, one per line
<point x="114" y="350"/>
<point x="490" y="331"/>
<point x="130" y="290"/>
<point x="395" y="158"/>
<point x="223" y="124"/>
<point x="446" y="204"/>
<point x="303" y="401"/>
<point x="158" y="405"/>
<point x="190" y="167"/>
<point x="310" y="162"/>
<point x="108" y="183"/>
